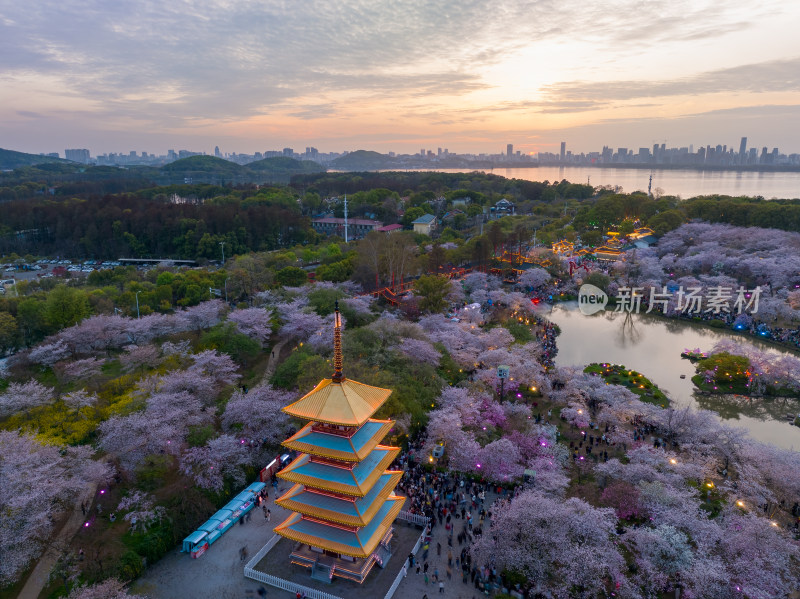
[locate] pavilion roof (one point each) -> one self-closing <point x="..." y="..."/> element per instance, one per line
<point x="350" y="449"/>
<point x="342" y="510"/>
<point x="347" y="402"/>
<point x="360" y="542"/>
<point x="356" y="481"/>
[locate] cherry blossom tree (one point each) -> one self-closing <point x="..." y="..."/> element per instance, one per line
<point x="160" y="428"/>
<point x="219" y="367"/>
<point x="142" y="511"/>
<point x="219" y="458"/>
<point x="298" y="324"/>
<point x="624" y="498"/>
<point x="136" y="357"/>
<point x="132" y="438"/>
<point x="19" y="397"/>
<point x="47" y="354"/>
<point x="194" y="382"/>
<point x="257" y="414"/>
<point x="111" y="588"/>
<point x="253" y="322"/>
<point x="38" y="482"/>
<point x="202" y="316"/>
<point x="564" y="545"/>
<point x="419" y="350"/>
<point x="79" y="399"/>
<point x="535" y="278"/>
<point x="180" y="348"/>
<point x="79" y="369"/>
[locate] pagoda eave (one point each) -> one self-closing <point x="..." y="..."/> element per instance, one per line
<point x="345" y="402"/>
<point x="339" y="480"/>
<point x="304" y="501"/>
<point x="358" y="544"/>
<point x="348" y="449"/>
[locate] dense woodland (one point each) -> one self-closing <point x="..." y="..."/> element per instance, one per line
<point x="111" y="217"/>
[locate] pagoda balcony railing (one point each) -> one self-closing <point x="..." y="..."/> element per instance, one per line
<point x="348" y="432"/>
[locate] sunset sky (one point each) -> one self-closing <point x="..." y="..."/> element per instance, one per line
<point x="470" y="76"/>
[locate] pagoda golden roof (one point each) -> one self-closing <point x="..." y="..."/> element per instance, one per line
<point x="360" y="543"/>
<point x="350" y="449"/>
<point x="348" y="402"/>
<point x="356" y="481"/>
<point x="350" y="512"/>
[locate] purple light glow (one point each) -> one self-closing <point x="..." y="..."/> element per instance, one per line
<point x="86" y="525"/>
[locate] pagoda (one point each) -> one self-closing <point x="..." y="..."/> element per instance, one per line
<point x="343" y="499"/>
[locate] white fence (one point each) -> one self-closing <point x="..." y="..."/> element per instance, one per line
<point x="413" y="518"/>
<point x="280" y="583"/>
<point x="285" y="585"/>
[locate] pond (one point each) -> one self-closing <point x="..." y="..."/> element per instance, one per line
<point x="653" y="345"/>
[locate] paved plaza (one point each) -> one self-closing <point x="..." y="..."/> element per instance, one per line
<point x="219" y="573"/>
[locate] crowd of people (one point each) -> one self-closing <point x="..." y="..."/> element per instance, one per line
<point x="460" y="506"/>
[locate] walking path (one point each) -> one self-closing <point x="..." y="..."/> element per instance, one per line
<point x="273" y="360"/>
<point x="41" y="573"/>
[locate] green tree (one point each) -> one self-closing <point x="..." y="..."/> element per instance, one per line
<point x="411" y="215"/>
<point x="8" y="332"/>
<point x="291" y="276"/>
<point x="432" y="289"/>
<point x="65" y="306"/>
<point x="226" y="338"/>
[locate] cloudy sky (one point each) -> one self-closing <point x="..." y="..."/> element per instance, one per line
<point x="469" y="75"/>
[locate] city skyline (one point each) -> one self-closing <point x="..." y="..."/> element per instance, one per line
<point x="716" y="155"/>
<point x="398" y="77"/>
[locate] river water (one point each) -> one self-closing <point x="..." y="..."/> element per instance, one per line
<point x="685" y="183"/>
<point x="653" y="346"/>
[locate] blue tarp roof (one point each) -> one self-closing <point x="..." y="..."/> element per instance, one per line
<point x="256" y="487"/>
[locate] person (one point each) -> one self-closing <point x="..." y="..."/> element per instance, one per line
<point x="405" y="571"/>
<point x="264" y="508"/>
<point x="80" y="554"/>
<point x="441" y="587"/>
<point x="269" y="515"/>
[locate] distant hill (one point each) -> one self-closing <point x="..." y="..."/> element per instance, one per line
<point x="10" y="159"/>
<point x="205" y="164"/>
<point x="364" y="160"/>
<point x="284" y="164"/>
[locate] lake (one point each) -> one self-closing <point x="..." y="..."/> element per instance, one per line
<point x="685" y="183"/>
<point x="653" y="346"/>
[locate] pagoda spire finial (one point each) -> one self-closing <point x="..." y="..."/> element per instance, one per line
<point x="337" y="377"/>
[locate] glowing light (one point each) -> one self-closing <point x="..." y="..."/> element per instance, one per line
<point x="673" y="461"/>
<point x="86" y="525"/>
<point x="740" y="503"/>
<point x="774" y="523"/>
<point x="102" y="491"/>
<point x="710" y="485"/>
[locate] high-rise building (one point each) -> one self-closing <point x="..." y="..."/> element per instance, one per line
<point x="563" y="150"/>
<point x="288" y="152"/>
<point x="217" y="153"/>
<point x="77" y="155"/>
<point x="510" y="150"/>
<point x="342" y="499"/>
<point x="742" y="150"/>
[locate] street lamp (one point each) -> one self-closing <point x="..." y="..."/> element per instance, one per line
<point x="502" y="374"/>
<point x="137" y="304"/>
<point x="222" y="245"/>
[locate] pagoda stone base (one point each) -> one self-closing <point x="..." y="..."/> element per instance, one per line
<point x="324" y="567"/>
